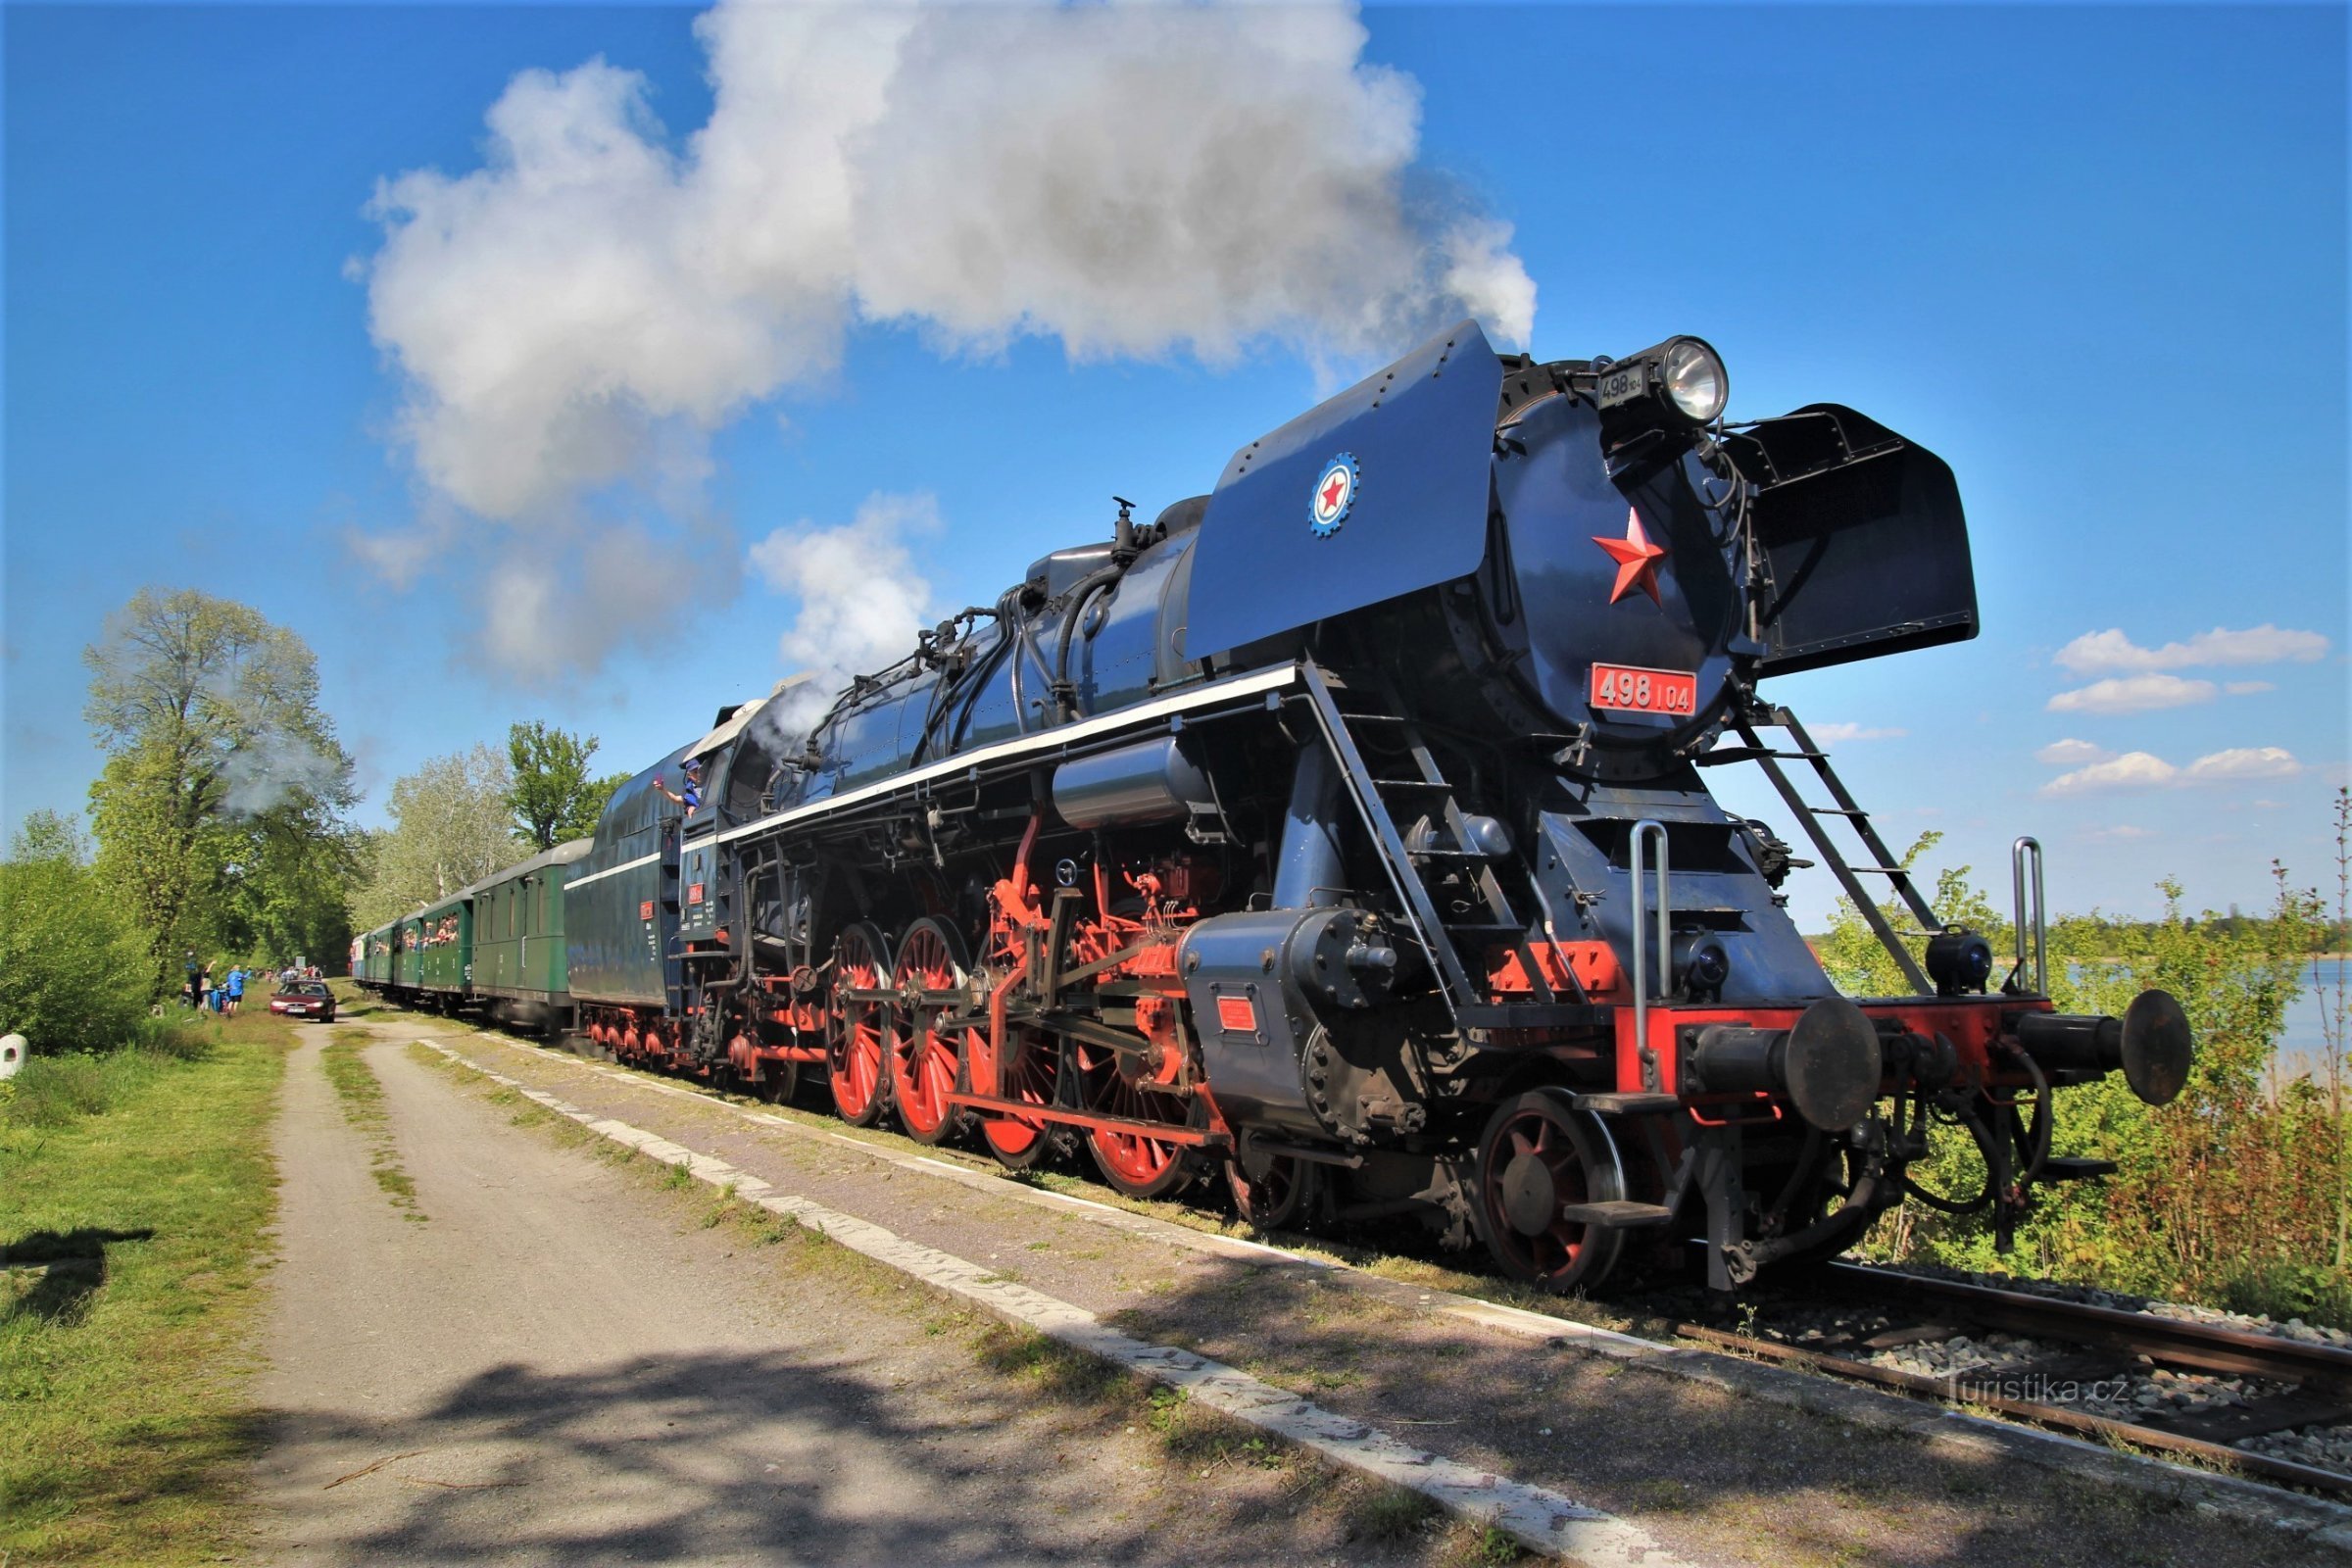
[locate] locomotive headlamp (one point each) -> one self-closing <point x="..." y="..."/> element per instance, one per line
<point x="1692" y="376"/>
<point x="1677" y="384"/>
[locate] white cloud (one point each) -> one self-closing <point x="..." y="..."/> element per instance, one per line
<point x="2247" y="688"/>
<point x="2132" y="693"/>
<point x="2072" y="753"/>
<point x="2134" y="770"/>
<point x="2110" y="652"/>
<point x="2119" y="833"/>
<point x="2143" y="770"/>
<point x="1841" y="732"/>
<point x="2255" y="761"/>
<point x="1131" y="178"/>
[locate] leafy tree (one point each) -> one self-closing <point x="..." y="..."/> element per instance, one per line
<point x="74" y="974"/>
<point x="210" y="717"/>
<point x="591" y="806"/>
<point x="450" y="827"/>
<point x="551" y="795"/>
<point x="1860" y="966"/>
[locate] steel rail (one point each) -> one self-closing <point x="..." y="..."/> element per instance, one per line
<point x="2096" y="1427"/>
<point x="2211" y="1348"/>
<point x="2205" y="1346"/>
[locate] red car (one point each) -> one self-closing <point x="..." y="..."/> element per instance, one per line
<point x="305" y="999"/>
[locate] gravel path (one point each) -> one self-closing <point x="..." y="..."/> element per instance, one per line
<point x="554" y="1363"/>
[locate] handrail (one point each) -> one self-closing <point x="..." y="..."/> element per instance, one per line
<point x="1649" y="827"/>
<point x="1413" y="895"/>
<point x="2019" y="852"/>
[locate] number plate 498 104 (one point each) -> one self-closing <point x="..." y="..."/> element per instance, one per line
<point x="1634" y="690"/>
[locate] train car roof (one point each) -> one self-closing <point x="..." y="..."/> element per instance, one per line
<point x="563" y="853"/>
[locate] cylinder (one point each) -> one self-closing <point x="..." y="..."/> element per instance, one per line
<point x="1310" y="870"/>
<point x="1151" y="781"/>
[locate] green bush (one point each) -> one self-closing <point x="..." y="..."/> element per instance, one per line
<point x="2239" y="1194"/>
<point x="182" y="1037"/>
<point x="73" y="973"/>
<point x="56" y="1091"/>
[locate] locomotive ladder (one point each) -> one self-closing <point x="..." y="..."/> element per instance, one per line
<point x="1881" y="861"/>
<point x="1443" y="927"/>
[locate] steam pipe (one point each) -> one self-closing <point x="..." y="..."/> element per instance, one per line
<point x="1310" y="850"/>
<point x="1066" y="695"/>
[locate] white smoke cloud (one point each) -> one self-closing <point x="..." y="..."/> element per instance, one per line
<point x="1133" y="178"/>
<point x="568" y="596"/>
<point x="861" y="602"/>
<point x="271" y="766"/>
<point x="861" y="599"/>
<point x="2110" y="652"/>
<point x="1137" y="177"/>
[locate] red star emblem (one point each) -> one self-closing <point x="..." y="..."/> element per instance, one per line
<point x="1637" y="559"/>
<point x="1333" y="491"/>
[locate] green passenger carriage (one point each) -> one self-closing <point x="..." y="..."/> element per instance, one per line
<point x="520" y="963"/>
<point x="408" y="955"/>
<point x="446" y="950"/>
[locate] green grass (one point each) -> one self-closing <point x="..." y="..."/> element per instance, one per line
<point x="124" y="1428"/>
<point x="363" y="1098"/>
<point x="1390" y="1514"/>
<point x="353" y="1003"/>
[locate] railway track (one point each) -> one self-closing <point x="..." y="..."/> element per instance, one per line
<point x="2188" y="1389"/>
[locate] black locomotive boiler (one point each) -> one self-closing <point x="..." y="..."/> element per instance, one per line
<point x="1345" y="833"/>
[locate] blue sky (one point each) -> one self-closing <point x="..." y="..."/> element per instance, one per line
<point x="2094" y="257"/>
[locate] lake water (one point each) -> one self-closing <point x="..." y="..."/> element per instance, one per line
<point x="2303" y="1041"/>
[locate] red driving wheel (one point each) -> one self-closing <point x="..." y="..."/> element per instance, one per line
<point x="1133" y="1161"/>
<point x="923" y="1058"/>
<point x="1026" y="1073"/>
<point x="853" y="1045"/>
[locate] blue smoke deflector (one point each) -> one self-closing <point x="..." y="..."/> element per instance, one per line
<point x="1864" y="540"/>
<point x="1421" y="434"/>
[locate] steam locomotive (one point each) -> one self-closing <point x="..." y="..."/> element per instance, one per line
<point x="1343" y="835"/>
